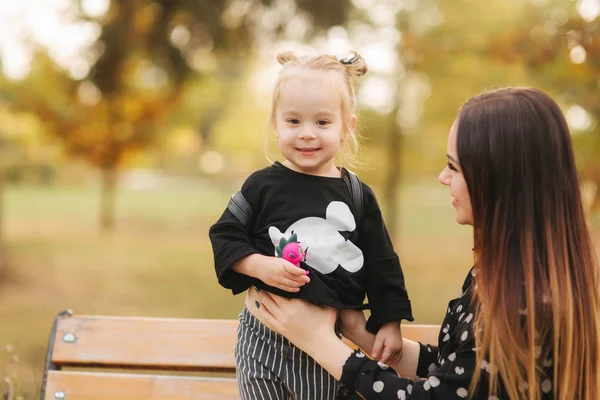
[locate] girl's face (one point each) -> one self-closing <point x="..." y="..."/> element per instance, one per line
<point x="452" y="177"/>
<point x="308" y="122"/>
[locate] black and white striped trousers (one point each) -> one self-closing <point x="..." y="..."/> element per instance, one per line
<point x="269" y="367"/>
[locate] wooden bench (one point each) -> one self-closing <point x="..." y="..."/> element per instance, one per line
<point x="127" y="358"/>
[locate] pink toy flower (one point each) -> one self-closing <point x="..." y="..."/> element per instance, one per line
<point x="290" y="250"/>
<point x="293" y="253"/>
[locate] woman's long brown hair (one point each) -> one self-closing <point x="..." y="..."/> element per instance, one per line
<point x="537" y="281"/>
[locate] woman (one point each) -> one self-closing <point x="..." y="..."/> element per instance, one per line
<point x="527" y="325"/>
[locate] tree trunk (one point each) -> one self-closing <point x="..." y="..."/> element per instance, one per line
<point x="2" y="255"/>
<point x="392" y="181"/>
<point x="107" y="199"/>
<point x="394" y="145"/>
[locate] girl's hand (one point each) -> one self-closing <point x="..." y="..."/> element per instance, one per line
<point x="273" y="271"/>
<point x="388" y="343"/>
<point x="301" y="322"/>
<point x="282" y="274"/>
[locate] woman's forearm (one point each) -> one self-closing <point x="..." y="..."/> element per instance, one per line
<point x="329" y="352"/>
<point x="407" y="366"/>
<point x="332" y="354"/>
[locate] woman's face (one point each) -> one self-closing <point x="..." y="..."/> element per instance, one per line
<point x="452" y="177"/>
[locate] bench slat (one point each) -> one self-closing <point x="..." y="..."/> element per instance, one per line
<point x="426" y="334"/>
<point x="101" y="386"/>
<point x="159" y="343"/>
<point x="162" y="343"/>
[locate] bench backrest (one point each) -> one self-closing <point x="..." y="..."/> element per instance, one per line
<point x="127" y="358"/>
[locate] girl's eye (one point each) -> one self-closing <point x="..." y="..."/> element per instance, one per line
<point x="293" y="121"/>
<point x="322" y="122"/>
<point x="452" y="167"/>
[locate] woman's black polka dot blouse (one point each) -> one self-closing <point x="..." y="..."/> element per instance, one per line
<point x="443" y="372"/>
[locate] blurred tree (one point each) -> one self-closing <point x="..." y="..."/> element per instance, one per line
<point x="453" y="57"/>
<point x="24" y="152"/>
<point x="391" y="93"/>
<point x="410" y="136"/>
<point x="559" y="43"/>
<point x="442" y="62"/>
<point x="146" y="54"/>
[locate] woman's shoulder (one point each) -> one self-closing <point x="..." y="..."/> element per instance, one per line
<point x="469" y="282"/>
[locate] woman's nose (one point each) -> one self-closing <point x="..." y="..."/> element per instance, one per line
<point x="444" y="177"/>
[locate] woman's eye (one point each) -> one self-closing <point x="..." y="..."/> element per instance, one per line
<point x="293" y="121"/>
<point x="322" y="122"/>
<point x="452" y="167"/>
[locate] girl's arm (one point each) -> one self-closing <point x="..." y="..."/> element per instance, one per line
<point x="236" y="258"/>
<point x="384" y="279"/>
<point x="353" y="328"/>
<point x="231" y="243"/>
<point x="273" y="271"/>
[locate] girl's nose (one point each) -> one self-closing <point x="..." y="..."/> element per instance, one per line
<point x="307" y="132"/>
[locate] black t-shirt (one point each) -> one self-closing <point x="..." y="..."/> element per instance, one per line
<point x="345" y="261"/>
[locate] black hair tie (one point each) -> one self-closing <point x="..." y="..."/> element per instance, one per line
<point x="349" y="59"/>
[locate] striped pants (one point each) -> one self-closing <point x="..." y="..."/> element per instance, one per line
<point x="269" y="367"/>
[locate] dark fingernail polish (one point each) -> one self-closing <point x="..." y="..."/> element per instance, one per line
<point x="257" y="304"/>
<point x="257" y="289"/>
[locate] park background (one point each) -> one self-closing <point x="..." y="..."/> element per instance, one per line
<point x="125" y="126"/>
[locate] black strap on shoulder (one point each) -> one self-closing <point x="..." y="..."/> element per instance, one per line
<point x="356" y="193"/>
<point x="239" y="206"/>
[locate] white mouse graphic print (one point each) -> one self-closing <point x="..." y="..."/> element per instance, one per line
<point x="324" y="247"/>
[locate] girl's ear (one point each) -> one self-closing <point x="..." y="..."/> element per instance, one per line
<point x="353" y="121"/>
<point x="351" y="128"/>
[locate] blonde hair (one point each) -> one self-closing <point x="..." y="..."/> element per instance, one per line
<point x="350" y="67"/>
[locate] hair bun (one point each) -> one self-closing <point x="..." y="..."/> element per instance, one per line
<point x="354" y="63"/>
<point x="286" y="57"/>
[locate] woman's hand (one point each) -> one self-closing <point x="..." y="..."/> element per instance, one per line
<point x="309" y="327"/>
<point x="298" y="320"/>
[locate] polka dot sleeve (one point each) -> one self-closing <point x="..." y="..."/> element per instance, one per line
<point x="428" y="355"/>
<point x="363" y="378"/>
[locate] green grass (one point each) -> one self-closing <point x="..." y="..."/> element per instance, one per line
<point x="159" y="261"/>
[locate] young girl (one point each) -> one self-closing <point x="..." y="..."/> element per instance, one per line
<point x="304" y="239"/>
